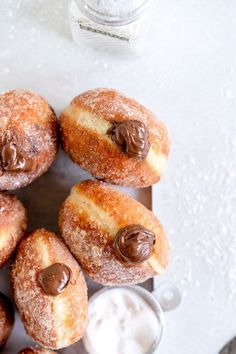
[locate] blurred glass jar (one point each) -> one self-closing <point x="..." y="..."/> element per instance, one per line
<point x="110" y="24"/>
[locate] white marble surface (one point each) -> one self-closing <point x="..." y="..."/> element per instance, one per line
<point x="187" y="75"/>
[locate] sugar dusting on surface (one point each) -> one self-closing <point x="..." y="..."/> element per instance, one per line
<point x="202" y="217"/>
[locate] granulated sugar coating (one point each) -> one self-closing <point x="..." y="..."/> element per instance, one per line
<point x="28" y="122"/>
<point x="115" y="7"/>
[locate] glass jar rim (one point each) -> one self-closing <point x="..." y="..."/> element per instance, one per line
<point x="109" y="19"/>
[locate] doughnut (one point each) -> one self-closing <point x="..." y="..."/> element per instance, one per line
<point x="6" y="319"/>
<point x="31" y="350"/>
<point x="116" y="240"/>
<point x="115" y="138"/>
<point x="13" y="222"/>
<point x="49" y="290"/>
<point x="28" y="138"/>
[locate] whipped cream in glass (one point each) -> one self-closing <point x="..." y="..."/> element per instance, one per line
<point x="122" y="321"/>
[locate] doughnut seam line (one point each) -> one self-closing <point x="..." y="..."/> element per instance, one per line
<point x="98" y="216"/>
<point x="94" y="213"/>
<point x="88" y="120"/>
<point x="57" y="310"/>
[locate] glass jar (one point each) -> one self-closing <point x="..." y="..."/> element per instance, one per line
<point x="165" y="297"/>
<point x="107" y="24"/>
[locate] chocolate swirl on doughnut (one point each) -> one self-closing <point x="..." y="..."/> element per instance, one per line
<point x="132" y="136"/>
<point x="54" y="279"/>
<point x="134" y="243"/>
<point x="13" y="160"/>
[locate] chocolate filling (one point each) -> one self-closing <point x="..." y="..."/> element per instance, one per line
<point x="132" y="136"/>
<point x="13" y="160"/>
<point x="134" y="244"/>
<point x="54" y="279"/>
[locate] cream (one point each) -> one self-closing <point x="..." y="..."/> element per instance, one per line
<point x="121" y="322"/>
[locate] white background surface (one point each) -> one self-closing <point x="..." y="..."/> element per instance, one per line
<point x="187" y="75"/>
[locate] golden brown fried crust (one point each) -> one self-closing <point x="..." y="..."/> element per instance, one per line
<point x="52" y="321"/>
<point x="90" y="233"/>
<point x="28" y="121"/>
<point x="32" y="350"/>
<point x="103" y="158"/>
<point x="13" y="222"/>
<point x="6" y="319"/>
